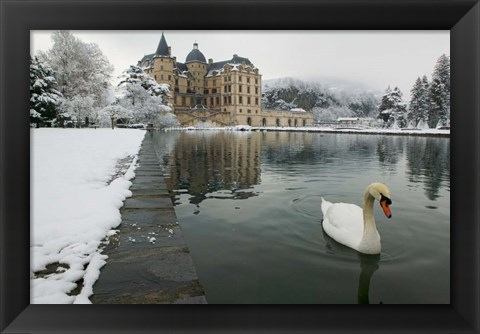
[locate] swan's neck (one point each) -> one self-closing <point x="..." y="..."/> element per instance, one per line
<point x="370" y="229"/>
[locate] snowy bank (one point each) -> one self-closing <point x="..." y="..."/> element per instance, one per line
<point x="346" y="129"/>
<point x="79" y="180"/>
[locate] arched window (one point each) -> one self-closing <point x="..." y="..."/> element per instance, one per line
<point x="289" y="122"/>
<point x="295" y="122"/>
<point x="277" y="122"/>
<point x="264" y="122"/>
<point x="249" y="121"/>
<point x="304" y="122"/>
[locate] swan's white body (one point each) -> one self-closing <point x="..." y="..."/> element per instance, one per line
<point x="353" y="226"/>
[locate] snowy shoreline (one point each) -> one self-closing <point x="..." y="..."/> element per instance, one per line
<point x="79" y="181"/>
<point x="351" y="130"/>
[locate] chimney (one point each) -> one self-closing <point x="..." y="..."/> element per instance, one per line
<point x="210" y="61"/>
<point x="169" y="50"/>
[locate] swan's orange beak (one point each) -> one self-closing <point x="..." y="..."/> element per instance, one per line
<point x="386" y="208"/>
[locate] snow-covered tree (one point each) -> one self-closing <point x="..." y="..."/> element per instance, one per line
<point x="81" y="68"/>
<point x="363" y="105"/>
<point x="44" y="97"/>
<point x="392" y="109"/>
<point x="439" y="93"/>
<point x="136" y="75"/>
<point x="147" y="100"/>
<point x="77" y="109"/>
<point x="419" y="102"/>
<point x="106" y="116"/>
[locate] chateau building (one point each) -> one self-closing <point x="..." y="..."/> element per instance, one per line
<point x="224" y="93"/>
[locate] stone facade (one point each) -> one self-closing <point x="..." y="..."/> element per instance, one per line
<point x="223" y="93"/>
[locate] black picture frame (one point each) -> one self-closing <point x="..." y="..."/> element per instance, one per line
<point x="18" y="17"/>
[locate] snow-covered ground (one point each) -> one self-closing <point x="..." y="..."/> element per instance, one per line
<point x="79" y="180"/>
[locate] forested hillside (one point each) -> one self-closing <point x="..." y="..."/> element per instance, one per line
<point x="326" y="101"/>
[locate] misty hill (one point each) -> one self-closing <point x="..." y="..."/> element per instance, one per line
<point x="328" y="99"/>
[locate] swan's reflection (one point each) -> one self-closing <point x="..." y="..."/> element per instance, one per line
<point x="368" y="265"/>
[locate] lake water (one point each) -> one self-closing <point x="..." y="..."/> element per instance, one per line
<point x="249" y="207"/>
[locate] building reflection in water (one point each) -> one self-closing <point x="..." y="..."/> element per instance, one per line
<point x="204" y="163"/>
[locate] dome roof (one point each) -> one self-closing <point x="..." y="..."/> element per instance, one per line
<point x="195" y="55"/>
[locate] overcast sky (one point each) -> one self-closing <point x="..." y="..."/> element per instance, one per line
<point x="374" y="58"/>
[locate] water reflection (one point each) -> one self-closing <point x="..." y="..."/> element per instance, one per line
<point x="428" y="162"/>
<point x="369" y="264"/>
<point x="203" y="163"/>
<point x="275" y="240"/>
<point x="206" y="162"/>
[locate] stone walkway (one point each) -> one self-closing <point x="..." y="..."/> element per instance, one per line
<point x="148" y="260"/>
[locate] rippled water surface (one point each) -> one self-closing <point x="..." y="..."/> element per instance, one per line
<point x="249" y="207"/>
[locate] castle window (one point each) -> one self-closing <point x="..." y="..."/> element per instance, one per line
<point x="240" y="78"/>
<point x="229" y="89"/>
<point x="229" y="100"/>
<point x="169" y="77"/>
<point x="176" y="82"/>
<point x="240" y="100"/>
<point x="289" y="122"/>
<point x="217" y="100"/>
<point x="240" y="110"/>
<point x="161" y="77"/>
<point x="248" y="90"/>
<point x="304" y="122"/>
<point x="184" y="102"/>
<point x="256" y="90"/>
<point x="256" y="81"/>
<point x="155" y="77"/>
<point x="248" y="80"/>
<point x="214" y="82"/>
<point x="277" y="122"/>
<point x="161" y="68"/>
<point x="211" y="101"/>
<point x="224" y="100"/>
<point x="248" y="100"/>
<point x="214" y="91"/>
<point x="249" y="111"/>
<point x="239" y="88"/>
<point x="256" y="101"/>
<point x="256" y="111"/>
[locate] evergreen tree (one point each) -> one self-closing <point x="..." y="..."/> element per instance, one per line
<point x="145" y="99"/>
<point x="439" y="93"/>
<point x="43" y="95"/>
<point x="419" y="102"/>
<point x="392" y="109"/>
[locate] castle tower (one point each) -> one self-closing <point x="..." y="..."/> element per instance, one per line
<point x="163" y="65"/>
<point x="197" y="66"/>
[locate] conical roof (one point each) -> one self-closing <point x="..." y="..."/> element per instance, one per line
<point x="162" y="49"/>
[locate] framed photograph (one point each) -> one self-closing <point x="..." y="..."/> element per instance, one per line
<point x="441" y="311"/>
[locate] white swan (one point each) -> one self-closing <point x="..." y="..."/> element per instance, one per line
<point x="351" y="226"/>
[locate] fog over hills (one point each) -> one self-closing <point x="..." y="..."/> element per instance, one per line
<point x="327" y="98"/>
